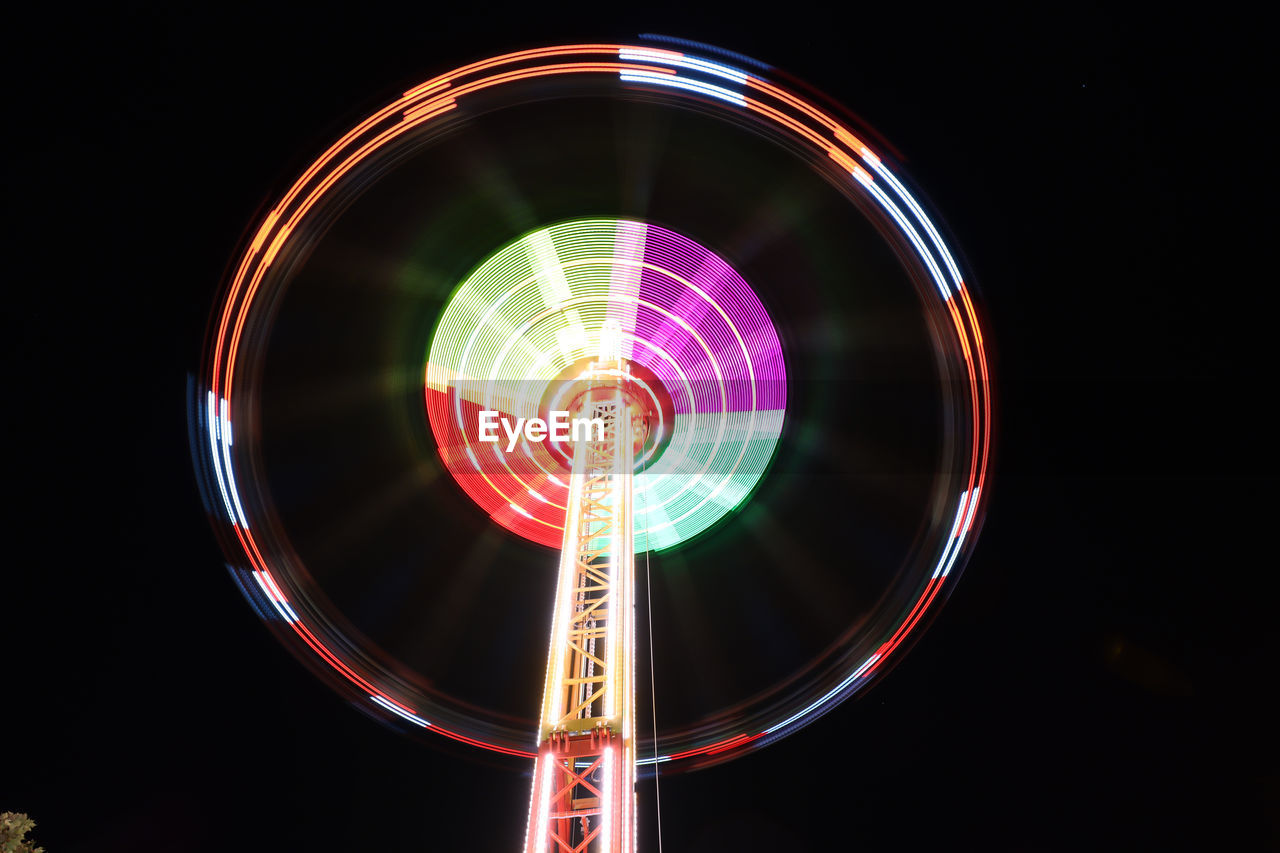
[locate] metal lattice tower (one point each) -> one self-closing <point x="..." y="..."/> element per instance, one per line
<point x="584" y="777"/>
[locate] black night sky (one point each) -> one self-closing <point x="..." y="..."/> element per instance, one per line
<point x="1100" y="679"/>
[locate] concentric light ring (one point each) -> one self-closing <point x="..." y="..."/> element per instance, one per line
<point x="554" y="297"/>
<point x="226" y="407"/>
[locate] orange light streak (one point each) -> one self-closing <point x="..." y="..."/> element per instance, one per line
<point x="845" y="161"/>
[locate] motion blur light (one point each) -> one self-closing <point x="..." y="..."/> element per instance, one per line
<point x="660" y="314"/>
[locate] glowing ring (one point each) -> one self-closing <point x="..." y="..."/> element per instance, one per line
<point x="550" y="299"/>
<point x="675" y="75"/>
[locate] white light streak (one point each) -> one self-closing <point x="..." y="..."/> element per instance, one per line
<point x="262" y="583"/>
<point x="214" y="438"/>
<point x="952" y="542"/>
<point x="401" y="712"/>
<point x="973" y="503"/>
<point x="544" y="803"/>
<point x="681" y="83"/>
<point x="920" y="215"/>
<point x="275" y="596"/>
<point x="964" y="531"/>
<point x="606" y="802"/>
<point x="830" y="694"/>
<point x="690" y="62"/>
<point x="913" y="235"/>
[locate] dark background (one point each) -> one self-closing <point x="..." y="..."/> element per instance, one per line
<point x="1101" y="676"/>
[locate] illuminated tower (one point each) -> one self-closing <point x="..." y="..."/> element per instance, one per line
<point x="583" y="795"/>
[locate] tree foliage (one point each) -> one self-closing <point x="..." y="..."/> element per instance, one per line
<point x="13" y="834"/>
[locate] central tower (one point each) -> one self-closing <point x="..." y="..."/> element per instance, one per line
<point x="665" y="349"/>
<point x="583" y="795"/>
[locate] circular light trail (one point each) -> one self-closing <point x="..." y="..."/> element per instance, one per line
<point x="719" y="335"/>
<point x="557" y="296"/>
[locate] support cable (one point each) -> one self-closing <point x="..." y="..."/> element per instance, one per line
<point x="653" y="685"/>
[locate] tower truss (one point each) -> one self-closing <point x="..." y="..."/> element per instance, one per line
<point x="583" y="797"/>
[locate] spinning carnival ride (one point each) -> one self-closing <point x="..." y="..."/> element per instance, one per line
<point x="717" y="270"/>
